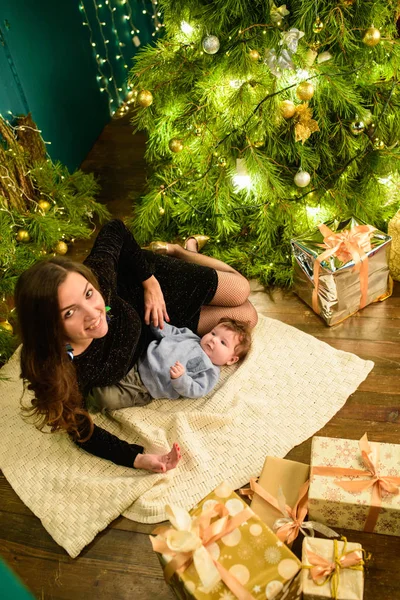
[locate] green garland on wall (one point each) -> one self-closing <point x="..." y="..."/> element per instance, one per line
<point x="43" y="208"/>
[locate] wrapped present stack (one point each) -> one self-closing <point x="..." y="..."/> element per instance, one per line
<point x="394" y="232"/>
<point x="221" y="549"/>
<point x="341" y="267"/>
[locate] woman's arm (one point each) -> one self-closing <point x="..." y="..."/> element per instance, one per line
<point x="106" y="445"/>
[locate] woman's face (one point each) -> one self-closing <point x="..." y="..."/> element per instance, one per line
<point x="82" y="310"/>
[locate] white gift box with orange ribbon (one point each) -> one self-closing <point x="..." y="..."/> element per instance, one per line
<point x="355" y="484"/>
<point x="221" y="549"/>
<point x="332" y="569"/>
<point x="341" y="267"/>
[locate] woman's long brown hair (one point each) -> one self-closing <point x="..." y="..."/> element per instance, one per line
<point x="46" y="369"/>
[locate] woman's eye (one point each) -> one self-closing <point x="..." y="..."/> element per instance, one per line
<point x="68" y="314"/>
<point x="89" y="293"/>
<point x="223" y="343"/>
<point x="212" y="333"/>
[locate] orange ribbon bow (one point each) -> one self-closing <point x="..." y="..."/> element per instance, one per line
<point x="380" y="484"/>
<point x="347" y="245"/>
<point x="188" y="540"/>
<point x="287" y="528"/>
<point x="321" y="568"/>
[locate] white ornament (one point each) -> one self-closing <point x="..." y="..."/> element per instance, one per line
<point x="302" y="179"/>
<point x="323" y="57"/>
<point x="210" y="44"/>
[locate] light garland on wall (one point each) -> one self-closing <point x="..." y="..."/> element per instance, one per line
<point x="114" y="18"/>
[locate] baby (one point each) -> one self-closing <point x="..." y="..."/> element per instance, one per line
<point x="195" y="361"/>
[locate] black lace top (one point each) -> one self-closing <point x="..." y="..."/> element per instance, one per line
<point x="121" y="266"/>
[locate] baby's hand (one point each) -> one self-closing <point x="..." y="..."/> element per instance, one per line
<point x="176" y="370"/>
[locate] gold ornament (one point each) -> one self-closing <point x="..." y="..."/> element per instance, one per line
<point x="145" y="98"/>
<point x="378" y="143"/>
<point x="348" y="2"/>
<point x="61" y="248"/>
<point x="372" y="37"/>
<point x="357" y="127"/>
<point x="132" y="95"/>
<point x="318" y="25"/>
<point x="287" y="109"/>
<point x="44" y="205"/>
<point x="254" y="55"/>
<point x="23" y="236"/>
<point x="161" y="210"/>
<point x="6" y="326"/>
<point x="221" y="161"/>
<point x="175" y="145"/>
<point x="198" y="131"/>
<point x="305" y="90"/>
<point x="258" y="143"/>
<point x="305" y="125"/>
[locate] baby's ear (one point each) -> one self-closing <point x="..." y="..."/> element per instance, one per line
<point x="232" y="360"/>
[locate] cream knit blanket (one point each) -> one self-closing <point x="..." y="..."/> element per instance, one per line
<point x="287" y="388"/>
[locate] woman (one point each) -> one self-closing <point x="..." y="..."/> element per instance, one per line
<point x="70" y="346"/>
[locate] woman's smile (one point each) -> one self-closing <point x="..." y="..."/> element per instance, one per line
<point x="83" y="312"/>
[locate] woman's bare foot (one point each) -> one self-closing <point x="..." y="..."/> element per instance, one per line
<point x="191" y="244"/>
<point x="159" y="463"/>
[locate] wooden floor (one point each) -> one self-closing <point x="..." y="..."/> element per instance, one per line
<point x="119" y="563"/>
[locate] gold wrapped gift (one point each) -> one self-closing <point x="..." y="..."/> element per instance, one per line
<point x="341" y="267"/>
<point x="394" y="232"/>
<point x="280" y="499"/>
<point x="221" y="550"/>
<point x="332" y="569"/>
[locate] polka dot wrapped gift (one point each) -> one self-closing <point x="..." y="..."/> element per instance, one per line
<point x="221" y="550"/>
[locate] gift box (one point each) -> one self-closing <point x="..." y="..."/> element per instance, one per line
<point x="394" y="260"/>
<point x="280" y="484"/>
<point x="221" y="550"/>
<point x="355" y="484"/>
<point x="332" y="569"/>
<point x="341" y="267"/>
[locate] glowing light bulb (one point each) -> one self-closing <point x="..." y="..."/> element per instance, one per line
<point x="186" y="28"/>
<point x="241" y="179"/>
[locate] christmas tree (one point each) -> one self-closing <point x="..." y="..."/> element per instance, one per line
<point x="265" y="120"/>
<point x="43" y="207"/>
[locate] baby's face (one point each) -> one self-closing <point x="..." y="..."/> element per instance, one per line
<point x="219" y="345"/>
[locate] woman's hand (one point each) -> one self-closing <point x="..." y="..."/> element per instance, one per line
<point x="155" y="311"/>
<point x="159" y="463"/>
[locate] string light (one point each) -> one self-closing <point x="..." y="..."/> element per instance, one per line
<point x="110" y="24"/>
<point x="101" y="77"/>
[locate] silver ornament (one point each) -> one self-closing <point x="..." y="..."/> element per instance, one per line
<point x="357" y="127"/>
<point x="302" y="178"/>
<point x="210" y="44"/>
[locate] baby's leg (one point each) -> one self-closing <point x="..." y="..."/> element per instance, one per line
<point x="128" y="392"/>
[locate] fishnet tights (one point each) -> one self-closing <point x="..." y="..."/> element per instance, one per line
<point x="230" y="300"/>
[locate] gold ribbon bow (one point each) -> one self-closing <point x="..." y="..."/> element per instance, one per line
<point x="346" y="245"/>
<point x="188" y="539"/>
<point x="321" y="568"/>
<point x="380" y="484"/>
<point x="287" y="528"/>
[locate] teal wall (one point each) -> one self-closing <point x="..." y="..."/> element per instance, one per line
<point x="48" y="67"/>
